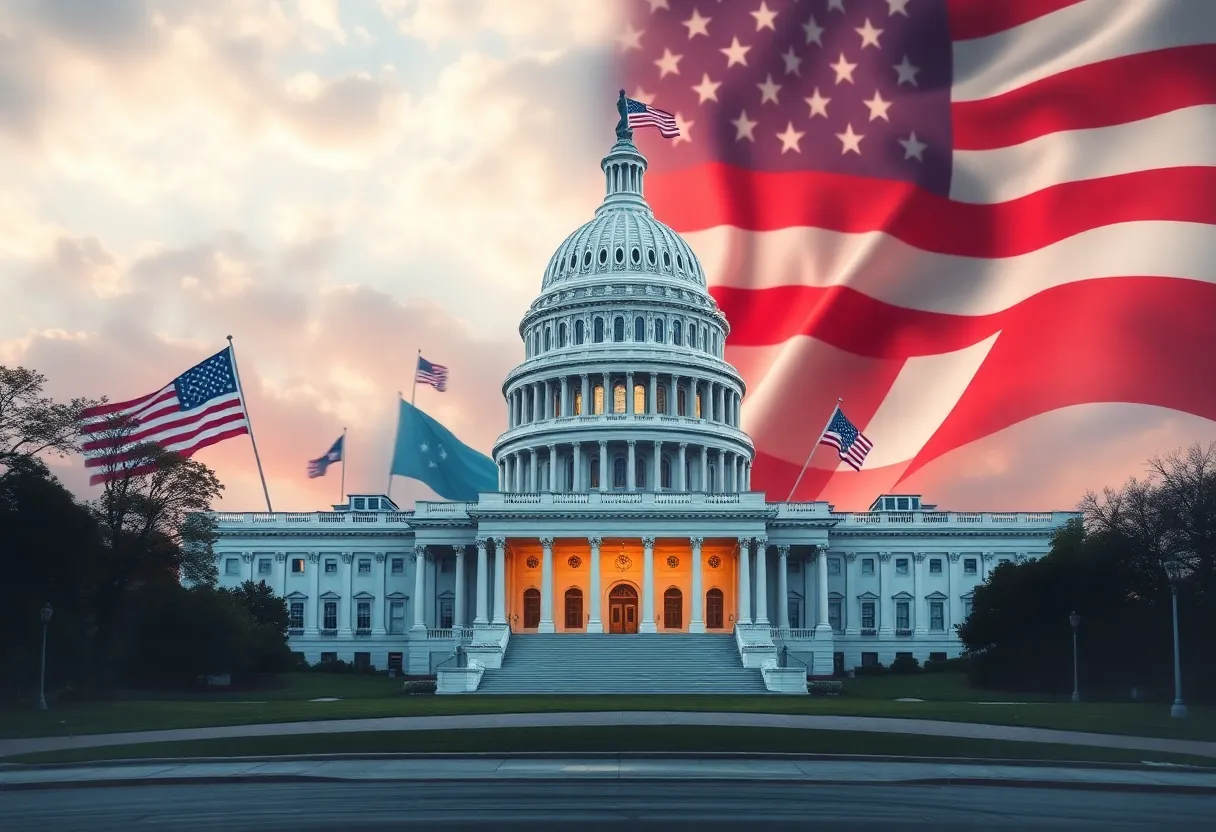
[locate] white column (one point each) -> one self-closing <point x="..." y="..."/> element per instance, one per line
<point x="314" y="564"/>
<point x="346" y="623"/>
<point x="745" y="582"/>
<point x="783" y="588"/>
<point x="458" y="616"/>
<point x="594" y="622"/>
<point x="951" y="560"/>
<point x="761" y="580"/>
<point x="918" y="620"/>
<point x="884" y="620"/>
<point x="850" y="558"/>
<point x="552" y="483"/>
<point x="380" y="608"/>
<point x="696" y="623"/>
<point x="546" y="587"/>
<point x="576" y="484"/>
<point x="500" y="581"/>
<point x="658" y="467"/>
<point x="629" y="393"/>
<point x="565" y="406"/>
<point x="604" y="472"/>
<point x="721" y="483"/>
<point x="519" y="471"/>
<point x="747" y="475"/>
<point x="821" y="562"/>
<point x="647" y="586"/>
<point x="281" y="558"/>
<point x="673" y="398"/>
<point x="533" y="465"/>
<point x="586" y="397"/>
<point x="631" y="468"/>
<point x="483" y="588"/>
<point x="538" y="401"/>
<point x="704" y="468"/>
<point x="546" y="410"/>
<point x="420" y="556"/>
<point x="682" y="470"/>
<point x="653" y="405"/>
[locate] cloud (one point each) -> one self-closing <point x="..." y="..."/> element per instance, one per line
<point x="537" y="24"/>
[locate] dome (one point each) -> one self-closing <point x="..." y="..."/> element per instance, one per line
<point x="624" y="238"/>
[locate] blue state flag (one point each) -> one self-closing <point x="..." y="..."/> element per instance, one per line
<point x="428" y="452"/>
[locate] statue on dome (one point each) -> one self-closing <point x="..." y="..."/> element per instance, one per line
<point x="622" y="126"/>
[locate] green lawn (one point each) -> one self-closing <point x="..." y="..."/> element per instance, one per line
<point x="946" y="698"/>
<point x="615" y="739"/>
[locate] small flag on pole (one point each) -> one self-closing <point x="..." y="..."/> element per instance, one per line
<point x="844" y="436"/>
<point x="200" y="407"/>
<point x="317" y="467"/>
<point x="643" y="115"/>
<point x="435" y="375"/>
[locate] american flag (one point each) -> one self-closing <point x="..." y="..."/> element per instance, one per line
<point x="435" y="375"/>
<point x="959" y="215"/>
<point x="844" y="436"/>
<point x="643" y="115"/>
<point x="200" y="407"/>
<point x="317" y="467"/>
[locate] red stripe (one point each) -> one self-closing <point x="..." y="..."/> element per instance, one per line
<point x="97" y="479"/>
<point x="130" y="452"/>
<point x="981" y="18"/>
<point x="133" y="404"/>
<point x="1104" y="94"/>
<point x="716" y="194"/>
<point x="156" y="433"/>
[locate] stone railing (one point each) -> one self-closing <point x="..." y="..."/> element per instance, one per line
<point x="394" y="519"/>
<point x="755" y="644"/>
<point x="641" y="500"/>
<point x="780" y="634"/>
<point x="461" y="634"/>
<point x="846" y="519"/>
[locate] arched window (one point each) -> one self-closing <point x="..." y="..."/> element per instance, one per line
<point x="598" y="333"/>
<point x="673" y="609"/>
<point x="618" y="398"/>
<point x="662" y="399"/>
<point x="714" y="339"/>
<point x="579" y="333"/>
<point x="595" y="473"/>
<point x="639" y="474"/>
<point x="659" y="333"/>
<point x="574" y="609"/>
<point x="681" y="402"/>
<point x="548" y="339"/>
<point x="698" y="413"/>
<point x="618" y="473"/>
<point x="692" y="336"/>
<point x="714" y="609"/>
<point x="536" y="344"/>
<point x="639" y="329"/>
<point x="665" y="473"/>
<point x="531" y="609"/>
<point x="598" y="402"/>
<point x="578" y="403"/>
<point x="618" y="329"/>
<point x="561" y="335"/>
<point x="675" y="333"/>
<point x="639" y="398"/>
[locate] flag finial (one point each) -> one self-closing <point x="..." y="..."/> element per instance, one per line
<point x="622" y="126"/>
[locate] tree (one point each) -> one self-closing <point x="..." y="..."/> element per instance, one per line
<point x="31" y="423"/>
<point x="263" y="605"/>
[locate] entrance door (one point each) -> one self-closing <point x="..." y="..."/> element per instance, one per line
<point x="623" y="609"/>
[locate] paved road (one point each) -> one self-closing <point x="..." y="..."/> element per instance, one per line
<point x="592" y="805"/>
<point x="923" y="727"/>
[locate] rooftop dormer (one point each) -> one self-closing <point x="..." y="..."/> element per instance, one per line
<point x="367" y="502"/>
<point x="900" y="502"/>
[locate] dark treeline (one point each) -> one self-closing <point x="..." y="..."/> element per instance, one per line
<point x="113" y="568"/>
<point x="1109" y="568"/>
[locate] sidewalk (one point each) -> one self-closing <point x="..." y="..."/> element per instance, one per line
<point x="921" y="727"/>
<point x="619" y="767"/>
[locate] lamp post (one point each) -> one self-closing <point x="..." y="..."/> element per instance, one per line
<point x="1173" y="571"/>
<point x="45" y="613"/>
<point x="1075" y="621"/>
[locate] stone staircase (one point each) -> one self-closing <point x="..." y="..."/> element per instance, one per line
<point x="639" y="664"/>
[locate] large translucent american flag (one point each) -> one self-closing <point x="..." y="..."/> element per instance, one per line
<point x="957" y="215"/>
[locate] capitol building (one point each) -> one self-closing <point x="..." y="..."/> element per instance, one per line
<point x="625" y="549"/>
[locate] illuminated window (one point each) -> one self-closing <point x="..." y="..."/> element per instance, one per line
<point x="639" y="398"/>
<point x="578" y="402"/>
<point x="698" y="414"/>
<point x="557" y="404"/>
<point x="662" y="394"/>
<point x="598" y="400"/>
<point x="618" y="398"/>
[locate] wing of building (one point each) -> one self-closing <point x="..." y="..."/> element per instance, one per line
<point x="625" y="549"/>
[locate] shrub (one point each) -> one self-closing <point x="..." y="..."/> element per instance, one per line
<point x="418" y="686"/>
<point x="905" y="664"/>
<point x="872" y="670"/>
<point x="825" y="687"/>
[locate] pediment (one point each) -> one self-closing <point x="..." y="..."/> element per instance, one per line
<point x="296" y="596"/>
<point x="330" y="595"/>
<point x="835" y="596"/>
<point x="902" y="596"/>
<point x="447" y="594"/>
<point x="937" y="596"/>
<point x="967" y="596"/>
<point x="867" y="596"/>
<point x="397" y="596"/>
<point x="364" y="596"/>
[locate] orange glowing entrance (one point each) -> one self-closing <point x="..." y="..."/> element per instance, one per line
<point x="623" y="609"/>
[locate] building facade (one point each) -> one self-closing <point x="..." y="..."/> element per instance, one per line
<point x="625" y="503"/>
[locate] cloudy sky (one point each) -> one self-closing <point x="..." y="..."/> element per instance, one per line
<point x="337" y="185"/>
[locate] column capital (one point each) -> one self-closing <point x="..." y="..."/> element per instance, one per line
<point x="584" y="376"/>
<point x="603" y="443"/>
<point x="850" y="556"/>
<point x="247" y="557"/>
<point x="481" y="543"/>
<point x="744" y="545"/>
<point x="783" y="550"/>
<point x="954" y="556"/>
<point x="458" y="548"/>
<point x="280" y="556"/>
<point x="987" y="556"/>
<point x="631" y="442"/>
<point x="919" y="557"/>
<point x="762" y="542"/>
<point x="884" y="556"/>
<point x="347" y="557"/>
<point x="420" y="552"/>
<point x="683" y="446"/>
<point x="313" y="557"/>
<point x="696" y="542"/>
<point x="595" y="542"/>
<point x="648" y="542"/>
<point x="380" y="557"/>
<point x="546" y="542"/>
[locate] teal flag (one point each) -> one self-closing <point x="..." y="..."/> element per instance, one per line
<point x="428" y="452"/>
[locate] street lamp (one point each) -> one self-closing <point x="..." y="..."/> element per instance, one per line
<point x="1173" y="571"/>
<point x="46" y="613"/>
<point x="1075" y="621"/>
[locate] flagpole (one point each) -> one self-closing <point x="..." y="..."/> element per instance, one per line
<point x="248" y="421"/>
<point x="811" y="453"/>
<point x="342" y="487"/>
<point x="414" y="389"/>
<point x="388" y="490"/>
